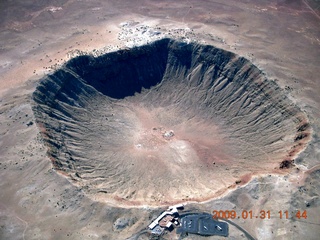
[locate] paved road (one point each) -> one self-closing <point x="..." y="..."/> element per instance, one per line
<point x="248" y="235"/>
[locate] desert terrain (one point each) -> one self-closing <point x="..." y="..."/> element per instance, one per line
<point x="111" y="111"/>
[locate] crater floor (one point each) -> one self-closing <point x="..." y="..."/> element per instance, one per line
<point x="166" y="122"/>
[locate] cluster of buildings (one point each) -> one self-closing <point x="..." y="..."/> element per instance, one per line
<point x="194" y="223"/>
<point x="166" y="220"/>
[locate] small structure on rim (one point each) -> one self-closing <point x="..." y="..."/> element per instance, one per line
<point x="166" y="220"/>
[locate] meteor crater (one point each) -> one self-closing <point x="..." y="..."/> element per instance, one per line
<point x="164" y="123"/>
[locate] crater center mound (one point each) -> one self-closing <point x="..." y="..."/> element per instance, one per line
<point x="166" y="122"/>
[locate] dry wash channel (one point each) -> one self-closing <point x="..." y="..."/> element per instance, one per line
<point x="165" y="123"/>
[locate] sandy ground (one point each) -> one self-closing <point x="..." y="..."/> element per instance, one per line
<point x="281" y="37"/>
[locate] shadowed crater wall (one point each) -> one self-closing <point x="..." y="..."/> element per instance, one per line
<point x="166" y="122"/>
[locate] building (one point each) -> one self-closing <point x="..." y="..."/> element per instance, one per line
<point x="166" y="218"/>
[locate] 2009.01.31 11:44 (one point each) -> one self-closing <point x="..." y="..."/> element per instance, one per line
<point x="262" y="214"/>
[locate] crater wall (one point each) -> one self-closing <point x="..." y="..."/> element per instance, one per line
<point x="166" y="122"/>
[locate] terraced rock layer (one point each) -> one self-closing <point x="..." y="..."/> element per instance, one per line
<point x="164" y="123"/>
